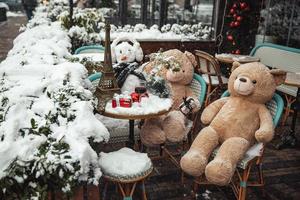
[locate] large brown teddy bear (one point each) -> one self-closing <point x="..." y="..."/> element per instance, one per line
<point x="234" y="122"/>
<point x="171" y="127"/>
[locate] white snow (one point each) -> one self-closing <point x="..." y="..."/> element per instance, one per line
<point x="4" y="5"/>
<point x="96" y="57"/>
<point x="124" y="162"/>
<point x="14" y="14"/>
<point x="151" y="105"/>
<point x="35" y="68"/>
<point x="167" y="33"/>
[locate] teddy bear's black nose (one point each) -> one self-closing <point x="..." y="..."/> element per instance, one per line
<point x="243" y="80"/>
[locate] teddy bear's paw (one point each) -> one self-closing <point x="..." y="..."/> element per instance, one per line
<point x="219" y="172"/>
<point x="152" y="136"/>
<point x="193" y="163"/>
<point x="264" y="136"/>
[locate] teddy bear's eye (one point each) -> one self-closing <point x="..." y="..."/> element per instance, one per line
<point x="129" y="50"/>
<point x="183" y="71"/>
<point x="121" y="51"/>
<point x="254" y="81"/>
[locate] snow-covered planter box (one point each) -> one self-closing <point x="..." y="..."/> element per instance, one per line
<point x="47" y="124"/>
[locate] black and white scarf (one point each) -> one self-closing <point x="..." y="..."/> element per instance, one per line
<point x="123" y="70"/>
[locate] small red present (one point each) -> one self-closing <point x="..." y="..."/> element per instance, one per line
<point x="122" y="100"/>
<point x="139" y="93"/>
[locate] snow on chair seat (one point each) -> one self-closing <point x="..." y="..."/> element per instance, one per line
<point x="126" y="168"/>
<point x="125" y="164"/>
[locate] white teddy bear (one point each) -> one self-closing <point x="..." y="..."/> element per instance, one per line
<point x="126" y="57"/>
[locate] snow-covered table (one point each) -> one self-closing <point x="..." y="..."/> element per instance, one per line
<point x="148" y="108"/>
<point x="230" y="58"/>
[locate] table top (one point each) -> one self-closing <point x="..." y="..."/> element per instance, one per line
<point x="292" y="79"/>
<point x="230" y="58"/>
<point x="97" y="57"/>
<point x="150" y="107"/>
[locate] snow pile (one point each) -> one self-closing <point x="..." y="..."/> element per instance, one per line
<point x="151" y="105"/>
<point x="47" y="122"/>
<point x="168" y="32"/>
<point x="124" y="162"/>
<point x="43" y="44"/>
<point x="15" y="14"/>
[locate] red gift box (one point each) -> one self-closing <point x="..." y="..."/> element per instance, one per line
<point x="124" y="101"/>
<point x="139" y="93"/>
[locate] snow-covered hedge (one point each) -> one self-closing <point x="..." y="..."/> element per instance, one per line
<point x="47" y="124"/>
<point x="168" y="32"/>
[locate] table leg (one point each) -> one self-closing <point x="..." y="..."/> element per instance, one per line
<point x="131" y="141"/>
<point x="290" y="139"/>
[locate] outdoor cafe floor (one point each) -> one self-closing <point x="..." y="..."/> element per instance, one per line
<point x="281" y="172"/>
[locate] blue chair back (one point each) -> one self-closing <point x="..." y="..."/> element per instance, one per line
<point x="90" y="49"/>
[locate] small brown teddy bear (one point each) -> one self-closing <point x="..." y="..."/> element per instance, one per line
<point x="234" y="123"/>
<point x="172" y="126"/>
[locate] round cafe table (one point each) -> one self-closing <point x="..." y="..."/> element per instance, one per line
<point x="292" y="79"/>
<point x="137" y="113"/>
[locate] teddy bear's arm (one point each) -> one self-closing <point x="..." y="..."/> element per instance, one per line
<point x="265" y="132"/>
<point x="212" y="110"/>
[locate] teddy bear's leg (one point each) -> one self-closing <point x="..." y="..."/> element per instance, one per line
<point x="174" y="126"/>
<point x="152" y="133"/>
<point x="195" y="160"/>
<point x="220" y="170"/>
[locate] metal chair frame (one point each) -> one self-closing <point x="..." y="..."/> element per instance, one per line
<point x="211" y="68"/>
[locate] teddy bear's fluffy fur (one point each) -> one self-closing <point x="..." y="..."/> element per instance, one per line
<point x="172" y="126"/>
<point x="235" y="123"/>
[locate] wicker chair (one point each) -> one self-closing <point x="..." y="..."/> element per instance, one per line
<point x="252" y="159"/>
<point x="209" y="68"/>
<point x="198" y="86"/>
<point x="90" y="49"/>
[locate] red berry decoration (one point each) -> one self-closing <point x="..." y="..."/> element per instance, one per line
<point x="243" y="5"/>
<point x="231" y="24"/>
<point x="234" y="5"/>
<point x="239" y="18"/>
<point x="236" y="24"/>
<point x="229" y="37"/>
<point x="232" y="11"/>
<point x="234" y="15"/>
<point x="233" y="52"/>
<point x="233" y="43"/>
<point x="237" y="51"/>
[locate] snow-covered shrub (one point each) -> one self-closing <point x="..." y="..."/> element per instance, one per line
<point x="167" y="32"/>
<point x="139" y="27"/>
<point x="47" y="122"/>
<point x="86" y="23"/>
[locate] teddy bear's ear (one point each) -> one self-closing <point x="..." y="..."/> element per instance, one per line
<point x="113" y="52"/>
<point x="139" y="55"/>
<point x="235" y="65"/>
<point x="192" y="58"/>
<point x="279" y="76"/>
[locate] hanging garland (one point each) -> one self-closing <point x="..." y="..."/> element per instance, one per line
<point x="240" y="26"/>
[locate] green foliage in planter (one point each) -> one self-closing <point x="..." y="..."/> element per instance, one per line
<point x="90" y="65"/>
<point x="84" y="29"/>
<point x="51" y="167"/>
